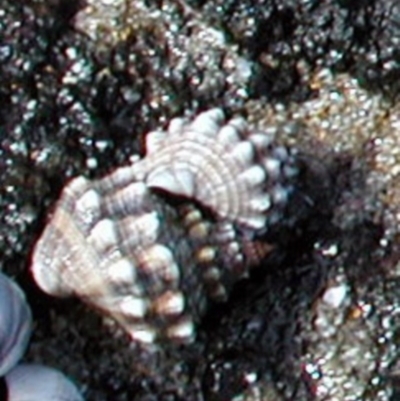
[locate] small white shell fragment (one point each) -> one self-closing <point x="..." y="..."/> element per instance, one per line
<point x="15" y="324"/>
<point x="335" y="296"/>
<point x="31" y="382"/>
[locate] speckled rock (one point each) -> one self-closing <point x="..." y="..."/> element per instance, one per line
<point x="72" y="107"/>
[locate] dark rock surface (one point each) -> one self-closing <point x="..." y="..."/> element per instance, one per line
<point x="78" y="89"/>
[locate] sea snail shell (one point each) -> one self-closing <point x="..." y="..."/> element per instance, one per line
<point x="31" y="382"/>
<point x="151" y="261"/>
<point x="25" y="382"/>
<point x="15" y="324"/>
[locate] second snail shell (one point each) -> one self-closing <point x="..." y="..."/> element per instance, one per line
<point x="25" y="382"/>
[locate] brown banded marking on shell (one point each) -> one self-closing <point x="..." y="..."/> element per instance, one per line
<point x="150" y="264"/>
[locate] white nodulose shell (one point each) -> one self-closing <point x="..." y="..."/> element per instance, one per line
<point x="31" y="382"/>
<point x="122" y="246"/>
<point x="15" y="324"/>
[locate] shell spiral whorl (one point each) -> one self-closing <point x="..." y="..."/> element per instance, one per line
<point x="151" y="242"/>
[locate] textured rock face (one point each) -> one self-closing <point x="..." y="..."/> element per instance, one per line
<point x="73" y="105"/>
<point x="151" y="261"/>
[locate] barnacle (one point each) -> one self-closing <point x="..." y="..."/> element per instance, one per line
<point x="150" y="243"/>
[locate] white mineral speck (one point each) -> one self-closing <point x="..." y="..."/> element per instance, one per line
<point x="334" y="296"/>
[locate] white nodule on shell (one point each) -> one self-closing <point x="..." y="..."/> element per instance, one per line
<point x="31" y="382"/>
<point x="273" y="167"/>
<point x="254" y="176"/>
<point x="169" y="303"/>
<point x="206" y="254"/>
<point x="256" y="222"/>
<point x="212" y="274"/>
<point x="76" y="188"/>
<point x="122" y="271"/>
<point x="139" y="230"/>
<point x="133" y="307"/>
<point x="130" y="199"/>
<point x="89" y="202"/>
<point x="142" y="333"/>
<point x="47" y="277"/>
<point x="260" y="140"/>
<point x="239" y="123"/>
<point x="182" y="331"/>
<point x="279" y="194"/>
<point x="208" y="123"/>
<point x="233" y="248"/>
<point x="261" y="204"/>
<point x="176" y="125"/>
<point x="87" y="207"/>
<point x="154" y="141"/>
<point x="192" y="217"/>
<point x="224" y="233"/>
<point x="243" y="153"/>
<point x="158" y="260"/>
<point x="103" y="236"/>
<point x="228" y="135"/>
<point x="15" y="324"/>
<point x="179" y="181"/>
<point x="199" y="230"/>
